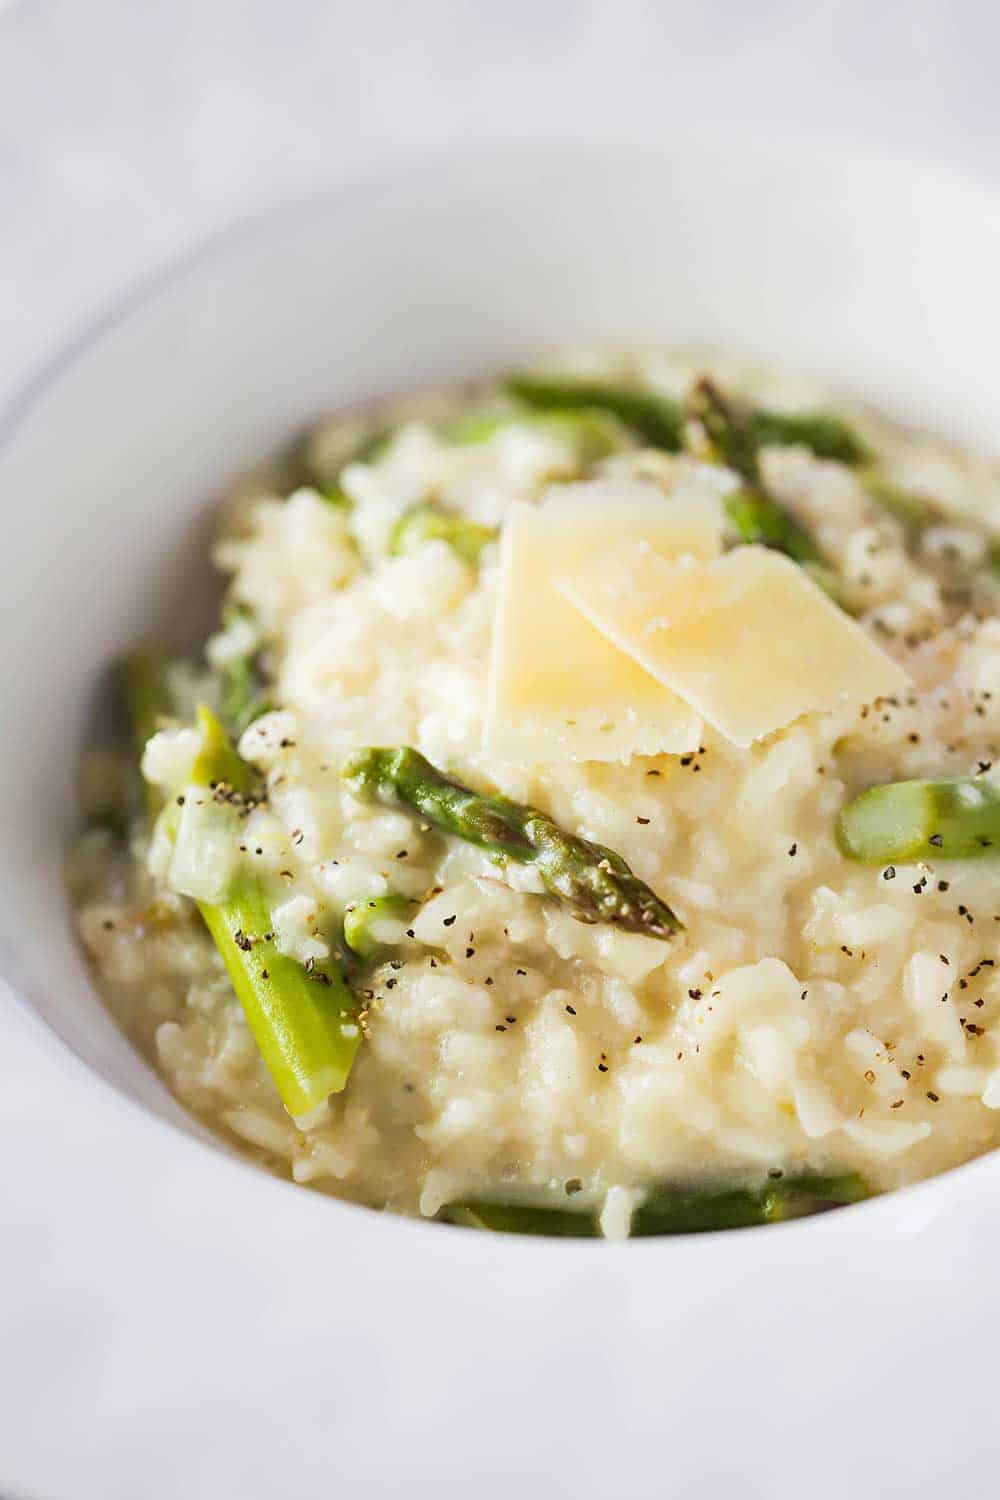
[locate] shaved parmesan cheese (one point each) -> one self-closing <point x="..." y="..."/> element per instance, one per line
<point x="559" y="690"/>
<point x="748" y="640"/>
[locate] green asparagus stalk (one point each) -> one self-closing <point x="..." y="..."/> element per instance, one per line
<point x="337" y="498"/>
<point x="592" y="433"/>
<point x="669" y="1210"/>
<point x="757" y="518"/>
<point x="597" y="883"/>
<point x="728" y="428"/>
<point x="243" y="699"/>
<point x="520" y="1218"/>
<point x="914" y="513"/>
<point x="908" y="820"/>
<point x="659" y="421"/>
<point x="148" y="703"/>
<point x="217" y="763"/>
<point x="426" y="523"/>
<point x="656" y="419"/>
<point x="826" y="435"/>
<point x="243" y="696"/>
<point x="755" y="514"/>
<point x="148" y="698"/>
<point x="362" y="919"/>
<point x="304" y="1023"/>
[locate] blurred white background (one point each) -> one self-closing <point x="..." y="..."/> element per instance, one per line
<point x="131" y="128"/>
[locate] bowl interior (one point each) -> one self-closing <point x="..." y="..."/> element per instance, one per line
<point x="875" y="275"/>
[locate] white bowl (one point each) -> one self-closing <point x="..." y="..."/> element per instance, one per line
<point x="880" y="276"/>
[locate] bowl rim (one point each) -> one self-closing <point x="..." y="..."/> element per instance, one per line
<point x="243" y="233"/>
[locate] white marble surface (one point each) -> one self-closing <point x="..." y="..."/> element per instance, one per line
<point x="127" y="131"/>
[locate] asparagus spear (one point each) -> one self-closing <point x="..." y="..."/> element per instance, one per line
<point x="828" y="436"/>
<point x="304" y="1024"/>
<point x="148" y="702"/>
<point x="660" y="421"/>
<point x="728" y="428"/>
<point x="597" y="883"/>
<point x="425" y="523"/>
<point x="656" y="419"/>
<point x="669" y="1210"/>
<point x="592" y="432"/>
<point x="914" y="512"/>
<point x="758" y="518"/>
<point x="756" y="515"/>
<point x="520" y="1218"/>
<point x="907" y="820"/>
<point x="148" y="699"/>
<point x="217" y="763"/>
<point x="362" y="921"/>
<point x="243" y="696"/>
<point x="337" y="498"/>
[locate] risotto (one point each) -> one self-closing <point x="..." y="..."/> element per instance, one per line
<point x="582" y="819"/>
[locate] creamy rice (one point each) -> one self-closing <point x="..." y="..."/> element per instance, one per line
<point x="814" y="1014"/>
